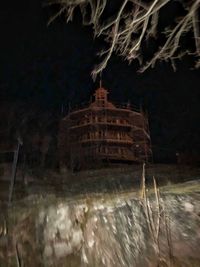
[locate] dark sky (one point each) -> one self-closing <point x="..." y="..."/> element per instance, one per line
<point x="50" y="66"/>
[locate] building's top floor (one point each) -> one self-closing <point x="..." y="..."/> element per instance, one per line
<point x="101" y="102"/>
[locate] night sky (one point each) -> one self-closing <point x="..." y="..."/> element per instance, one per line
<point x="44" y="68"/>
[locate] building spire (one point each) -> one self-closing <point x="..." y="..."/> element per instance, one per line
<point x="100" y="81"/>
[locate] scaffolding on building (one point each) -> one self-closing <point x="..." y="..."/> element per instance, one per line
<point x="104" y="132"/>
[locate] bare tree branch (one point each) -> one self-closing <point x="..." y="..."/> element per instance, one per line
<point x="126" y="31"/>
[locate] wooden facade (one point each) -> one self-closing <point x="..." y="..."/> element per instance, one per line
<point x="104" y="132"/>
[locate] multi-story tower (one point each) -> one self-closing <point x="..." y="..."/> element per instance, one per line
<point x="103" y="131"/>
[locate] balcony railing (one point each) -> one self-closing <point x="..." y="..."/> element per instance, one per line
<point x="102" y="122"/>
<point x="108" y="140"/>
<point x="86" y="105"/>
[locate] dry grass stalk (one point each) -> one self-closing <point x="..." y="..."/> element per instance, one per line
<point x="155" y="214"/>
